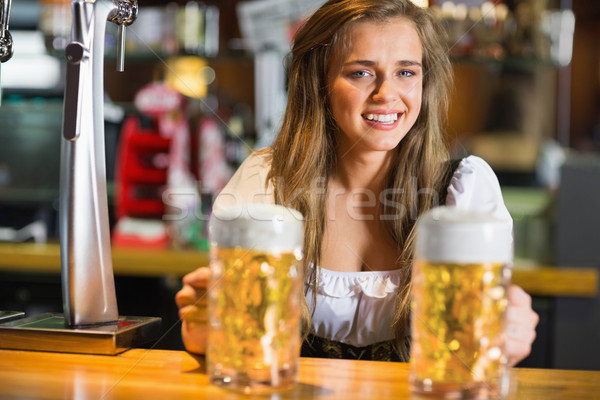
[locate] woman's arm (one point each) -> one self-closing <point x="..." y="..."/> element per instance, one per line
<point x="248" y="184"/>
<point x="475" y="186"/>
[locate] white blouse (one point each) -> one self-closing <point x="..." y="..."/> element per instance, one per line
<point x="357" y="308"/>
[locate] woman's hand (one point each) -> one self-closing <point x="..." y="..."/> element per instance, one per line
<point x="192" y="302"/>
<point x="520" y="327"/>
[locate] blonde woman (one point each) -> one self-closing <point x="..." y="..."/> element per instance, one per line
<point x="361" y="154"/>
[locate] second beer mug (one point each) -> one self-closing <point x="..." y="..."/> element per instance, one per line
<point x="254" y="297"/>
<point x="459" y="298"/>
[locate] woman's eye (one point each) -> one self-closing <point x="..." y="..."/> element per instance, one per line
<point x="407" y="73"/>
<point x="359" y="74"/>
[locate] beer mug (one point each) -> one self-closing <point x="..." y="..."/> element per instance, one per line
<point x="255" y="293"/>
<point x="462" y="270"/>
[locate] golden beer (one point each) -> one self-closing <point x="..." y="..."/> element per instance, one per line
<point x="460" y="278"/>
<point x="458" y="327"/>
<point x="255" y="317"/>
<point x="255" y="293"/>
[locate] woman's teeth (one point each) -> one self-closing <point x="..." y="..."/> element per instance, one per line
<point x="382" y="118"/>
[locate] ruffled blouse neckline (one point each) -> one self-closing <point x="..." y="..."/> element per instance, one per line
<point x="376" y="284"/>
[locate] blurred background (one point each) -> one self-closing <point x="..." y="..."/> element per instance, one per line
<point x="204" y="84"/>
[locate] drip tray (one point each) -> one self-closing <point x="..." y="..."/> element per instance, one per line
<point x="48" y="332"/>
<point x="6" y="316"/>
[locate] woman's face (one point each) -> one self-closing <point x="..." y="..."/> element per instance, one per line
<point x="375" y="90"/>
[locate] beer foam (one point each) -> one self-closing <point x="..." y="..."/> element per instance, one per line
<point x="451" y="234"/>
<point x="259" y="227"/>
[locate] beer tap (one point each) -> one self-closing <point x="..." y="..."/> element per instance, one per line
<point x="87" y="274"/>
<point x="6" y="42"/>
<point x="123" y="15"/>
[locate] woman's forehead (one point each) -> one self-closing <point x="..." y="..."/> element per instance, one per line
<point x="398" y="33"/>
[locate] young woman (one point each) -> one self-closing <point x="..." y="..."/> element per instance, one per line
<point x="361" y="154"/>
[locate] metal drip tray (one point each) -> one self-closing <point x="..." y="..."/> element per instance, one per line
<point x="6" y="316"/>
<point x="48" y="332"/>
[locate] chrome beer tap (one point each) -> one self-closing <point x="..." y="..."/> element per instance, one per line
<point x="6" y="42"/>
<point x="87" y="274"/>
<point x="123" y="15"/>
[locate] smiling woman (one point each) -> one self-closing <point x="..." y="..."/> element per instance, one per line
<point x="361" y="154"/>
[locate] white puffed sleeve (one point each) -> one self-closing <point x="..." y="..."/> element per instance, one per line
<point x="248" y="184"/>
<point x="474" y="185"/>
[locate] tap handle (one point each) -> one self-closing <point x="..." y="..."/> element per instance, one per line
<point x="121" y="48"/>
<point x="75" y="53"/>
<point x="6" y="47"/>
<point x="4" y="16"/>
<point x="124" y="14"/>
<point x="6" y="42"/>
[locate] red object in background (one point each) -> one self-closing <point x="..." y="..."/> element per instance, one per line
<point x="156" y="99"/>
<point x="131" y="240"/>
<point x="142" y="169"/>
<point x="141" y="172"/>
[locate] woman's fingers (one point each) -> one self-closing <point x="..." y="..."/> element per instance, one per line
<point x="194" y="287"/>
<point x="521" y="321"/>
<point x="517" y="296"/>
<point x="194" y="313"/>
<point x="198" y="277"/>
<point x="189" y="295"/>
<point x="194" y="336"/>
<point x="192" y="302"/>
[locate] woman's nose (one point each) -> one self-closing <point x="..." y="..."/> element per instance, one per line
<point x="386" y="91"/>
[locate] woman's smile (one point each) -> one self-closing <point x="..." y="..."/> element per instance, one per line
<point x="382" y="120"/>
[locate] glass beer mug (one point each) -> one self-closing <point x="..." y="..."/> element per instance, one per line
<point x="254" y="297"/>
<point x="462" y="269"/>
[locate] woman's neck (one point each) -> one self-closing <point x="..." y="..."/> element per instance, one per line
<point x="363" y="171"/>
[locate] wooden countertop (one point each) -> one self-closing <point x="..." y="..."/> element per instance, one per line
<point x="163" y="374"/>
<point x="31" y="257"/>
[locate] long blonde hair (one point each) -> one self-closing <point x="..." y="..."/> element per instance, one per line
<point x="304" y="152"/>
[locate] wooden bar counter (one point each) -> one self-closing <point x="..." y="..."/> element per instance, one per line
<point x="163" y="374"/>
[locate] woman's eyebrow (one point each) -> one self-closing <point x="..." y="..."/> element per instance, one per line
<point x="369" y="63"/>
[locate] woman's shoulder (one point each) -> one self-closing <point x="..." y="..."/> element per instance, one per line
<point x="249" y="183"/>
<point x="258" y="160"/>
<point x="474" y="185"/>
<point x="476" y="166"/>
